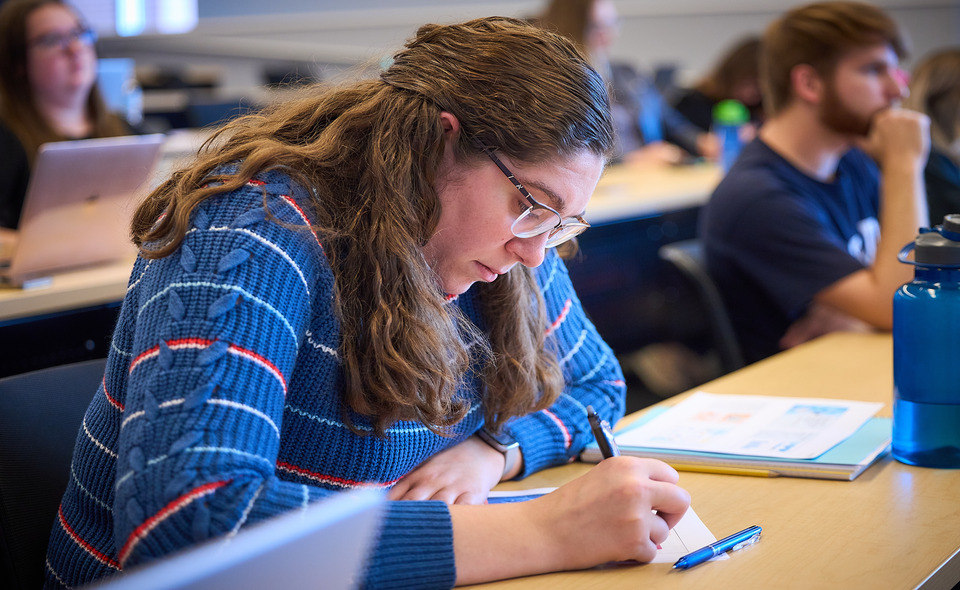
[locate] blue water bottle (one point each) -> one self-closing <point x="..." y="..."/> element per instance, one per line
<point x="729" y="117"/>
<point x="926" y="351"/>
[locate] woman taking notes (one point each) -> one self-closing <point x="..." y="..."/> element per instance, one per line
<point x="345" y="291"/>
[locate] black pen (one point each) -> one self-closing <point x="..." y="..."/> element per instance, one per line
<point x="603" y="434"/>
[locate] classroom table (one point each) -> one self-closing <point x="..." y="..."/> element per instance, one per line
<point x="69" y="290"/>
<point x="630" y="192"/>
<point x="895" y="526"/>
<point x="68" y="320"/>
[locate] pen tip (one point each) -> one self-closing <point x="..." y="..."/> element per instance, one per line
<point x="590" y="410"/>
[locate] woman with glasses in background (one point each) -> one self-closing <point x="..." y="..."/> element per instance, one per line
<point x="48" y="72"/>
<point x="361" y="288"/>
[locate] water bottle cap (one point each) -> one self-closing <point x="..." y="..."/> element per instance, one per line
<point x="941" y="246"/>
<point x="730" y="112"/>
<point x="951" y="224"/>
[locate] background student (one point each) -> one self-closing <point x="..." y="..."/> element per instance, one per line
<point x="48" y="92"/>
<point x="303" y="318"/>
<point x="649" y="131"/>
<point x="935" y="91"/>
<point x="735" y="76"/>
<point x="802" y="235"/>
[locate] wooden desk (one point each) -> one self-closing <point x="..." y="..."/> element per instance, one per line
<point x="67" y="321"/>
<point x="625" y="192"/>
<point x="895" y="526"/>
<point x="69" y="290"/>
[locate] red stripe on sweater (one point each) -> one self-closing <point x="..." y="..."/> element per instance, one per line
<point x="143" y="356"/>
<point x="567" y="439"/>
<point x="102" y="558"/>
<point x="303" y="216"/>
<point x="182" y="343"/>
<point x="148" y="525"/>
<point x="176" y="344"/>
<point x="110" y="399"/>
<point x="261" y="361"/>
<point x="560" y="318"/>
<point x="331" y="479"/>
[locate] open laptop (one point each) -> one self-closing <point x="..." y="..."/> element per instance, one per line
<point x="79" y="203"/>
<point x="325" y="545"/>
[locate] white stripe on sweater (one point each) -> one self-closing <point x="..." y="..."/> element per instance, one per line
<point x="140" y="278"/>
<point x="99" y="444"/>
<point x="223" y="287"/>
<point x="273" y="247"/>
<point x="596" y="368"/>
<point x="392" y="430"/>
<point x="575" y="348"/>
<point x="76" y="480"/>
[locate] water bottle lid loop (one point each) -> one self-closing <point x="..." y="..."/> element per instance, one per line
<point x="950" y="235"/>
<point x="906" y="250"/>
<point x="936" y="247"/>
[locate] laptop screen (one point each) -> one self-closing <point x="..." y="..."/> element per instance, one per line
<point x="325" y="545"/>
<point x="79" y="203"/>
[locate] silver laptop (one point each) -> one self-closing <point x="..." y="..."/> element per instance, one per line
<point x="79" y="203"/>
<point x="324" y="545"/>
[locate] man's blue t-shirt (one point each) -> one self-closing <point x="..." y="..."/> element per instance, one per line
<point x="774" y="237"/>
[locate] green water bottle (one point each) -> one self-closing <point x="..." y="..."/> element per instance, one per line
<point x="729" y="117"/>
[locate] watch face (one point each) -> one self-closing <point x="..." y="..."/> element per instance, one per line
<point x="501" y="441"/>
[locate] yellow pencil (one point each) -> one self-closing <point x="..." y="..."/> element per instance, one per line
<point x="723" y="470"/>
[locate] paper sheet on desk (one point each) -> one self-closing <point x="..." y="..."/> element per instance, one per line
<point x="689" y="535"/>
<point x="757" y="425"/>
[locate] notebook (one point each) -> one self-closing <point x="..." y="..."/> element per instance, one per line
<point x="325" y="545"/>
<point x="845" y="460"/>
<point x="79" y="203"/>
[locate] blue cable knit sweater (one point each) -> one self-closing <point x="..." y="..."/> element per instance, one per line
<point x="221" y="403"/>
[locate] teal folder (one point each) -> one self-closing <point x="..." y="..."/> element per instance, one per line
<point x="844" y="461"/>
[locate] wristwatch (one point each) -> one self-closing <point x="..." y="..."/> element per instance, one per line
<point x="505" y="444"/>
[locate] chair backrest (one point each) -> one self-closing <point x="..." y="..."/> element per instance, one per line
<point x="687" y="257"/>
<point x="40" y="415"/>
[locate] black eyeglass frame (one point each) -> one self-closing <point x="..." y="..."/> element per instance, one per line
<point x="576" y="224"/>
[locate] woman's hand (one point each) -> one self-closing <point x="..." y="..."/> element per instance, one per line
<point x="463" y="474"/>
<point x="619" y="511"/>
<point x="655" y="154"/>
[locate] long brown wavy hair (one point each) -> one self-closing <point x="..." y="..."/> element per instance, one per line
<point x="570" y="18"/>
<point x="740" y="63"/>
<point x="370" y="151"/>
<point x="18" y="107"/>
<point x="935" y="90"/>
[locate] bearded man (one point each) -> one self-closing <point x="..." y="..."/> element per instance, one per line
<point x="802" y="235"/>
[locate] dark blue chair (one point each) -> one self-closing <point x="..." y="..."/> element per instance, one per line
<point x="687" y="257"/>
<point x="40" y="415"/>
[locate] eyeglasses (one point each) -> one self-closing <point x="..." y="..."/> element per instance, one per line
<point x="539" y="219"/>
<point x="62" y="41"/>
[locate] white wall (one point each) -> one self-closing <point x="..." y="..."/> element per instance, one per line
<point x="239" y="36"/>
